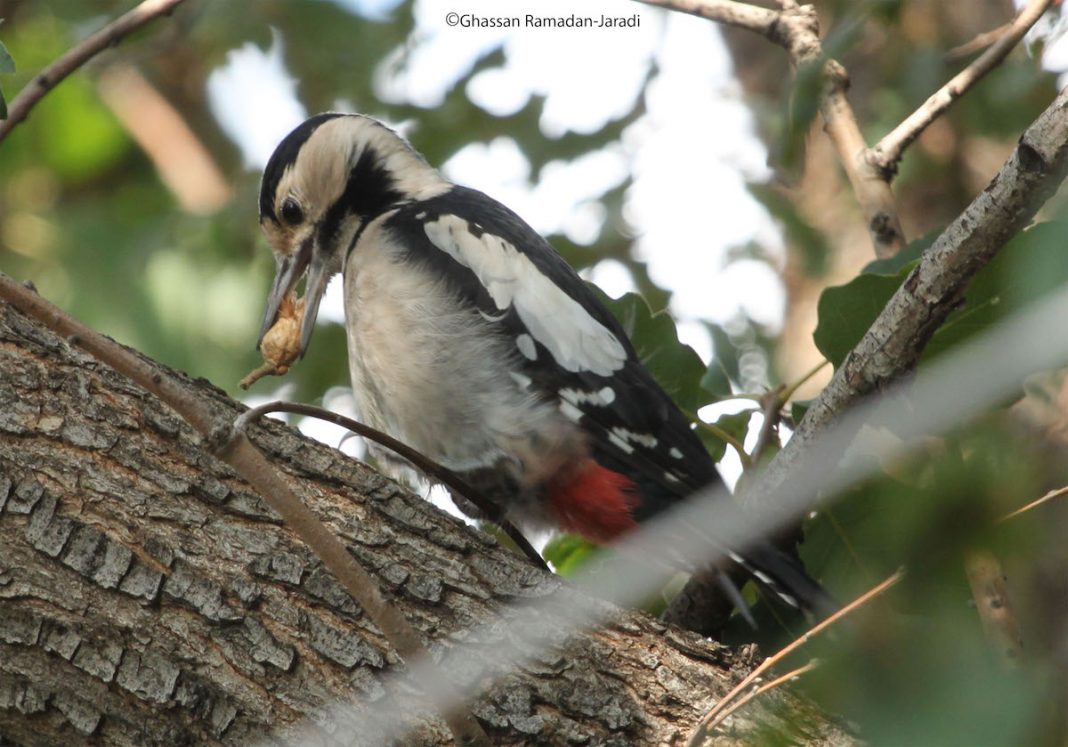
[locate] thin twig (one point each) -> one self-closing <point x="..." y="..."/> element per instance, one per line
<point x="725" y="702"/>
<point x="771" y="409"/>
<point x="887" y="153"/>
<point x="428" y="466"/>
<point x="722" y="435"/>
<point x="1035" y="503"/>
<point x="755" y="693"/>
<point x="796" y="29"/>
<point x="253" y="466"/>
<point x="991" y="595"/>
<point x="791" y="389"/>
<point x="981" y="41"/>
<point x="78" y="55"/>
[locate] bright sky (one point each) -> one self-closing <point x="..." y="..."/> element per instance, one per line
<point x="690" y="154"/>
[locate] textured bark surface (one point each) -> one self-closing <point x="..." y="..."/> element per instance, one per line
<point x="149" y="597"/>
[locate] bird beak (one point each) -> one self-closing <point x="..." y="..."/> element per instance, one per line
<point x="290" y="271"/>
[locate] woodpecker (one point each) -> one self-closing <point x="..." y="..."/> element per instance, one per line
<point x="471" y="340"/>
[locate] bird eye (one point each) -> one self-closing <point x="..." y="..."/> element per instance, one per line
<point x="291" y="212"/>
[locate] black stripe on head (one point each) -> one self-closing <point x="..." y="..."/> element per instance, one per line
<point x="369" y="192"/>
<point x="283" y="157"/>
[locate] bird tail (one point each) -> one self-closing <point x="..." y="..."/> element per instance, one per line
<point x="784" y="576"/>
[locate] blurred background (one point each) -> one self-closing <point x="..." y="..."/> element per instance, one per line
<point x="671" y="158"/>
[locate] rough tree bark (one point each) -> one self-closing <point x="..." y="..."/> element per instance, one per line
<point x="148" y="596"/>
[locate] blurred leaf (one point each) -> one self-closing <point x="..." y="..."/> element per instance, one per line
<point x="802" y="106"/>
<point x="7" y="64"/>
<point x="1032" y="265"/>
<point x="568" y="553"/>
<point x="715" y="381"/>
<point x="725" y="353"/>
<point x="676" y="367"/>
<point x="810" y="243"/>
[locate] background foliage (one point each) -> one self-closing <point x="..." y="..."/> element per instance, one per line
<point x="86" y="216"/>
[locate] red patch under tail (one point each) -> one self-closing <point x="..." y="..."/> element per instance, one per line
<point x="593" y="501"/>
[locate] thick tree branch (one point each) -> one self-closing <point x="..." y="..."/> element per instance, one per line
<point x="796" y="29"/>
<point x="887" y="153"/>
<point x="893" y="344"/>
<point x="424" y="464"/>
<point x="247" y="460"/>
<point x="78" y="55"/>
<point x="149" y="597"/>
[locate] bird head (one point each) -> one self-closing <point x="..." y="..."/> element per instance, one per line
<point x="323" y="184"/>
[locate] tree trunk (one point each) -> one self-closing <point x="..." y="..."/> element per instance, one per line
<point x="149" y="597"/>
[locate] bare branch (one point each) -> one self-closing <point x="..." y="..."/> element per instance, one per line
<point x="699" y="737"/>
<point x="893" y="344"/>
<point x="78" y="55"/>
<point x="981" y="41"/>
<point x="248" y="462"/>
<point x="712" y="717"/>
<point x="1035" y="503"/>
<point x="728" y="12"/>
<point x="887" y="153"/>
<point x="991" y="595"/>
<point x="796" y="29"/>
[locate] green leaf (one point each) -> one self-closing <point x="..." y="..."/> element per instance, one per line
<point x="676" y="367"/>
<point x="845" y="312"/>
<point x="736" y="425"/>
<point x="798" y="409"/>
<point x="715" y="381"/>
<point x="905" y="258"/>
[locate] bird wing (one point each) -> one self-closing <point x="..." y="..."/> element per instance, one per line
<point x="572" y="350"/>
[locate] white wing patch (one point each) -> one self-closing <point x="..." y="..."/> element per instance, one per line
<point x="525" y="343"/>
<point x="603" y="396"/>
<point x="643" y="439"/>
<point x="571" y="412"/>
<point x="619" y="442"/>
<point x="576" y="340"/>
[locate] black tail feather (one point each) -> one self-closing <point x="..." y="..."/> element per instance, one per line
<point x="784" y="576"/>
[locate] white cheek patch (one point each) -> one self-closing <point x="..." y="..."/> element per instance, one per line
<point x="675" y="453"/>
<point x="576" y="340"/>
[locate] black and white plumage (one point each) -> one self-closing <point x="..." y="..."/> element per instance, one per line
<point x="472" y="340"/>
